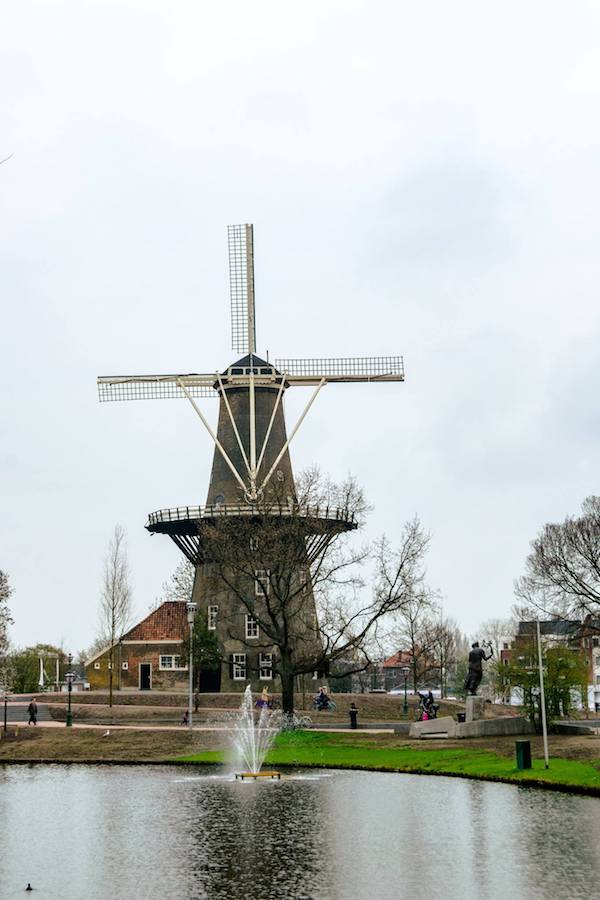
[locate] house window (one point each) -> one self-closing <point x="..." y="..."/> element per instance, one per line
<point x="251" y="627"/>
<point x="211" y="622"/>
<point x="239" y="666"/>
<point x="597" y="680"/>
<point x="505" y="661"/>
<point x="97" y="665"/>
<point x="265" y="662"/>
<point x="598" y="661"/>
<point x="261" y="584"/>
<point x="505" y="646"/>
<point x="594" y="642"/>
<point x="170" y="662"/>
<point x="125" y="666"/>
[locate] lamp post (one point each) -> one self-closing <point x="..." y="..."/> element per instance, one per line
<point x="69" y="676"/>
<point x="191" y="612"/>
<point x="542" y="693"/>
<point x="5" y="709"/>
<point x="405" y="671"/>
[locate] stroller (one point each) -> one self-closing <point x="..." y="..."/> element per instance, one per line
<point x="428" y="709"/>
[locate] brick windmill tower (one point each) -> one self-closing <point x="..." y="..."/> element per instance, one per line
<point x="252" y="480"/>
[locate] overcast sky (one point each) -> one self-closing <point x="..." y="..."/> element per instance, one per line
<point x="423" y="179"/>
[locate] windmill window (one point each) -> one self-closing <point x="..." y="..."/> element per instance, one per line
<point x="110" y="665"/>
<point x="261" y="584"/>
<point x="219" y="500"/>
<point x="279" y="475"/>
<point x="125" y="666"/>
<point x="265" y="662"/>
<point x="239" y="666"/>
<point x="251" y="627"/>
<point x="211" y="622"/>
<point x="96" y="665"/>
<point x="254" y="543"/>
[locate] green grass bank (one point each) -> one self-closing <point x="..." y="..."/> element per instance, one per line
<point x="343" y="751"/>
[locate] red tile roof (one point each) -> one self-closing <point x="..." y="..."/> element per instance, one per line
<point x="401" y="658"/>
<point x="168" y="622"/>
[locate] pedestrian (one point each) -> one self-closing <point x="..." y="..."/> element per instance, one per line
<point x="353" y="713"/>
<point x="185" y="719"/>
<point x="32" y="710"/>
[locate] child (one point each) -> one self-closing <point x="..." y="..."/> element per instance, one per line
<point x="353" y="713"/>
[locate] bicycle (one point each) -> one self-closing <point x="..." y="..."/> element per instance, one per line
<point x="331" y="706"/>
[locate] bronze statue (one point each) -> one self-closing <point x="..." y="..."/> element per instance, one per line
<point x="475" y="673"/>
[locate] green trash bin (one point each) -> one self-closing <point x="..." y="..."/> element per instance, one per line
<point x="523" y="750"/>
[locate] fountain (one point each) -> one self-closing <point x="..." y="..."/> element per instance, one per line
<point x="252" y="738"/>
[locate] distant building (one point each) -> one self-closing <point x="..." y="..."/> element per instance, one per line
<point x="148" y="657"/>
<point x="571" y="633"/>
<point x="392" y="669"/>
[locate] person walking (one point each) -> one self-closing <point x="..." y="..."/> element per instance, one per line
<point x="353" y="713"/>
<point x="32" y="709"/>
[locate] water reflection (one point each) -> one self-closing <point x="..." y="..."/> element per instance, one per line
<point x="97" y="832"/>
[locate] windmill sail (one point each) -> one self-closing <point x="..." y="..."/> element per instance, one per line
<point x="350" y="368"/>
<point x="241" y="283"/>
<point x="154" y="387"/>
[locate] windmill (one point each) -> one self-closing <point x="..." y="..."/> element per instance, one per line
<point x="251" y="469"/>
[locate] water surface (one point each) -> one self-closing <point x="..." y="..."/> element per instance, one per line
<point x="164" y="832"/>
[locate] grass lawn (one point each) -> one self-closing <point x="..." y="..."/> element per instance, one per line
<point x="365" y="752"/>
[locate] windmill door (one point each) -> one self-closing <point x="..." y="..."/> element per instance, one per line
<point x="210" y="681"/>
<point x="145" y="676"/>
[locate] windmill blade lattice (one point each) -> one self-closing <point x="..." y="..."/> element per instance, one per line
<point x="154" y="387"/>
<point x="352" y="368"/>
<point x="240" y="240"/>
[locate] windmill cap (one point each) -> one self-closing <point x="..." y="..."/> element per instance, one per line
<point x="248" y="363"/>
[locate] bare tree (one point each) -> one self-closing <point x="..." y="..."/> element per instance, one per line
<point x="562" y="571"/>
<point x="416" y="622"/>
<point x="293" y="571"/>
<point x="449" y="647"/>
<point x="115" y="608"/>
<point x="181" y="583"/>
<point x="5" y="621"/>
<point x="496" y="631"/>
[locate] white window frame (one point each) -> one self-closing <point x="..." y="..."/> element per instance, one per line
<point x="265" y="666"/>
<point x="125" y="666"/>
<point x="261" y="577"/>
<point x="252" y="629"/>
<point x="254" y="543"/>
<point x="211" y="617"/>
<point x="239" y="666"/>
<point x="96" y="665"/>
<point x="280" y="475"/>
<point x="172" y="667"/>
<point x="110" y="665"/>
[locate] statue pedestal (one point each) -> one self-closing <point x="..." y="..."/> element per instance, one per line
<point x="474" y="709"/>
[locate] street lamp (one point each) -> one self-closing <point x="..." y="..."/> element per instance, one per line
<point x="405" y="671"/>
<point x="5" y="709"/>
<point x="69" y="676"/>
<point x="191" y="613"/>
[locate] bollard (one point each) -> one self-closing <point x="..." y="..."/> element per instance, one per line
<point x="523" y="751"/>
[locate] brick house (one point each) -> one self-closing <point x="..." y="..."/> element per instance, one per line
<point x="148" y="657"/>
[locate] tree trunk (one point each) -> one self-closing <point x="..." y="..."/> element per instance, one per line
<point x="110" y="679"/>
<point x="287" y="689"/>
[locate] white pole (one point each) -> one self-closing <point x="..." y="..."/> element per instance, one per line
<point x="542" y="695"/>
<point x="191" y="664"/>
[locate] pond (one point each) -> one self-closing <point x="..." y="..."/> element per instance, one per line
<point x="167" y="832"/>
